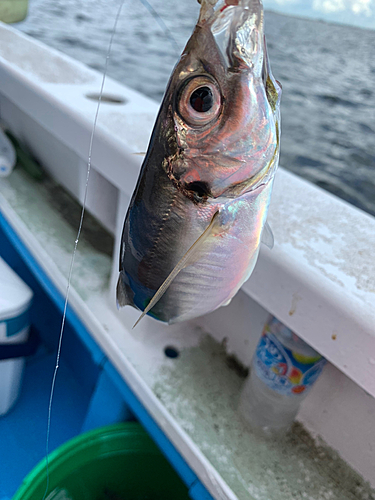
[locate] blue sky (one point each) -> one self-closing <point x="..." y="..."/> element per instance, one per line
<point x="355" y="12"/>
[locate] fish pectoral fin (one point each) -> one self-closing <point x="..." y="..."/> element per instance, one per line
<point x="267" y="236"/>
<point x="123" y="293"/>
<point x="185" y="261"/>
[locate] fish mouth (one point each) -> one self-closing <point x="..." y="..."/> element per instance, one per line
<point x="238" y="27"/>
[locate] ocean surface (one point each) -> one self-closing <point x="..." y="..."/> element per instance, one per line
<point x="327" y="72"/>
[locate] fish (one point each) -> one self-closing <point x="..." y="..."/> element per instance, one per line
<point x="194" y="224"/>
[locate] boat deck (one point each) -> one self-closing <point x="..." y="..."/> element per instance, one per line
<point x="192" y="398"/>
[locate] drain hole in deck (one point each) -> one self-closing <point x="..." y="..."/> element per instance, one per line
<point x="171" y="352"/>
<point x="108" y="98"/>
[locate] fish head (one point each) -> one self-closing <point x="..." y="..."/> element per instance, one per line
<point x="220" y="114"/>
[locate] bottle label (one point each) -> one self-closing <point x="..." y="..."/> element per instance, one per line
<point x="283" y="370"/>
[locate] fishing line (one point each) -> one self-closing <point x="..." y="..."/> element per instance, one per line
<point x="172" y="40"/>
<point x="76" y="244"/>
<point x="162" y="25"/>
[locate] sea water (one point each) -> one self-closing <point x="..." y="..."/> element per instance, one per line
<point x="327" y="72"/>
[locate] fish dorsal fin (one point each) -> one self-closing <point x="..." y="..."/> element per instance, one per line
<point x="185" y="261"/>
<point x="267" y="236"/>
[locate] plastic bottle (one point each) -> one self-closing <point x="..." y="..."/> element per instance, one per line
<point x="7" y="155"/>
<point x="283" y="370"/>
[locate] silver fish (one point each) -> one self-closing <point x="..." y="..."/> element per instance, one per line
<point x="193" y="228"/>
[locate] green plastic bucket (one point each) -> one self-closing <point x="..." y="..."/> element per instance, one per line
<point x="119" y="462"/>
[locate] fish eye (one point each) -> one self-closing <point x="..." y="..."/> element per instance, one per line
<point x="202" y="99"/>
<point x="199" y="101"/>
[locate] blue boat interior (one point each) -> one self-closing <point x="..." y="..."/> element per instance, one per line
<point x="89" y="391"/>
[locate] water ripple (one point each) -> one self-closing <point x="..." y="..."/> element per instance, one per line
<point x="327" y="72"/>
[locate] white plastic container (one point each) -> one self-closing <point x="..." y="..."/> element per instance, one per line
<point x="283" y="370"/>
<point x="15" y="301"/>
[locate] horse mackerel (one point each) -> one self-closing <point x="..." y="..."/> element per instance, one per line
<point x="193" y="228"/>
